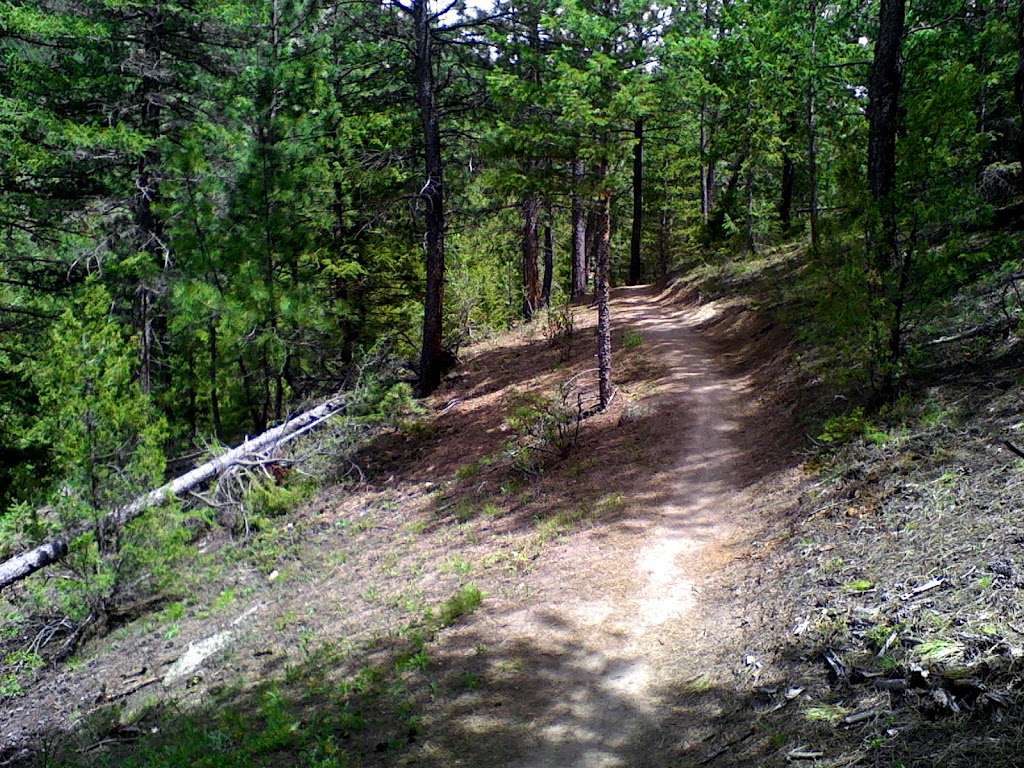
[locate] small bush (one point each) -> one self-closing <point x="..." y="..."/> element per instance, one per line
<point x="850" y="426"/>
<point x="106" y="437"/>
<point x="632" y="339"/>
<point x="544" y="427"/>
<point x="859" y="585"/>
<point x="560" y="328"/>
<point x="268" y="499"/>
<point x="10" y="687"/>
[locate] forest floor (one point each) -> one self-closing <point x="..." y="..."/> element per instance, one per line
<point x="689" y="586"/>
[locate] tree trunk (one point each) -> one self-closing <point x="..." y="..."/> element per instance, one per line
<point x="786" y="197"/>
<point x="716" y="223"/>
<point x="530" y="248"/>
<point x="602" y="292"/>
<point x="268" y="140"/>
<point x="434" y="359"/>
<point x="883" y="115"/>
<point x="749" y="187"/>
<point x="591" y="259"/>
<point x="883" y="240"/>
<point x="635" y="265"/>
<point x="149" y="228"/>
<point x="218" y="428"/>
<point x="663" y="232"/>
<point x="812" y="133"/>
<point x="1018" y="82"/>
<point x="549" y="257"/>
<point x="579" y="235"/>
<point x="707" y="165"/>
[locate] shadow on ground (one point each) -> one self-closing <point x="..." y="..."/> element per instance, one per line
<point x="383" y="712"/>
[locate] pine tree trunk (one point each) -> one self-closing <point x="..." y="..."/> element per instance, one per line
<point x="716" y="223"/>
<point x="530" y="248"/>
<point x="663" y="232"/>
<point x="749" y="187"/>
<point x="885" y="83"/>
<point x="579" y="235"/>
<point x="812" y="133"/>
<point x="549" y="257"/>
<point x="218" y="428"/>
<point x="635" y="264"/>
<point x="1018" y="82"/>
<point x="602" y="293"/>
<point x="267" y="140"/>
<point x="707" y="166"/>
<point x="786" y="196"/>
<point x="149" y="228"/>
<point x="434" y="359"/>
<point x="883" y="115"/>
<point x="591" y="250"/>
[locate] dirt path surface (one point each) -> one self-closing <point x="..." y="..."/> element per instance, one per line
<point x="590" y="655"/>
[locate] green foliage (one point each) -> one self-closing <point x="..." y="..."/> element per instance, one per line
<point x="939" y="650"/>
<point x="462" y="603"/>
<point x="106" y="440"/>
<point x="632" y="339"/>
<point x="560" y="327"/>
<point x="268" y="498"/>
<point x="10" y="686"/>
<point x="185" y="258"/>
<point x="849" y="426"/>
<point x="105" y="434"/>
<point x="16" y="669"/>
<point x="545" y="427"/>
<point x="859" y="585"/>
<point x="825" y="713"/>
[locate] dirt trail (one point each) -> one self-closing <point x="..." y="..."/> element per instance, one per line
<point x="593" y="670"/>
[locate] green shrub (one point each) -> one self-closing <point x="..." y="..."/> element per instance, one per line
<point x="632" y="339"/>
<point x="269" y="499"/>
<point x="842" y="429"/>
<point x="544" y="427"/>
<point x="105" y="438"/>
<point x="560" y="327"/>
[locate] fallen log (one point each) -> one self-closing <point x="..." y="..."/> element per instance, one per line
<point x="988" y="330"/>
<point x="20" y="566"/>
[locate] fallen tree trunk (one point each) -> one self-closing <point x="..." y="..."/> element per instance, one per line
<point x="990" y="330"/>
<point x="20" y="566"/>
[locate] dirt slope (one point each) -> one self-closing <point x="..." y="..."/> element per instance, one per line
<point x="596" y="644"/>
<point x="615" y="624"/>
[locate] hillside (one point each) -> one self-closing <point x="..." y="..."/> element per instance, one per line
<point x="352" y="571"/>
<point x="692" y="581"/>
<point x="535" y="384"/>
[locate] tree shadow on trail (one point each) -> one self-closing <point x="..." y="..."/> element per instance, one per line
<point x="452" y="700"/>
<point x="460" y="700"/>
<point x="632" y="451"/>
